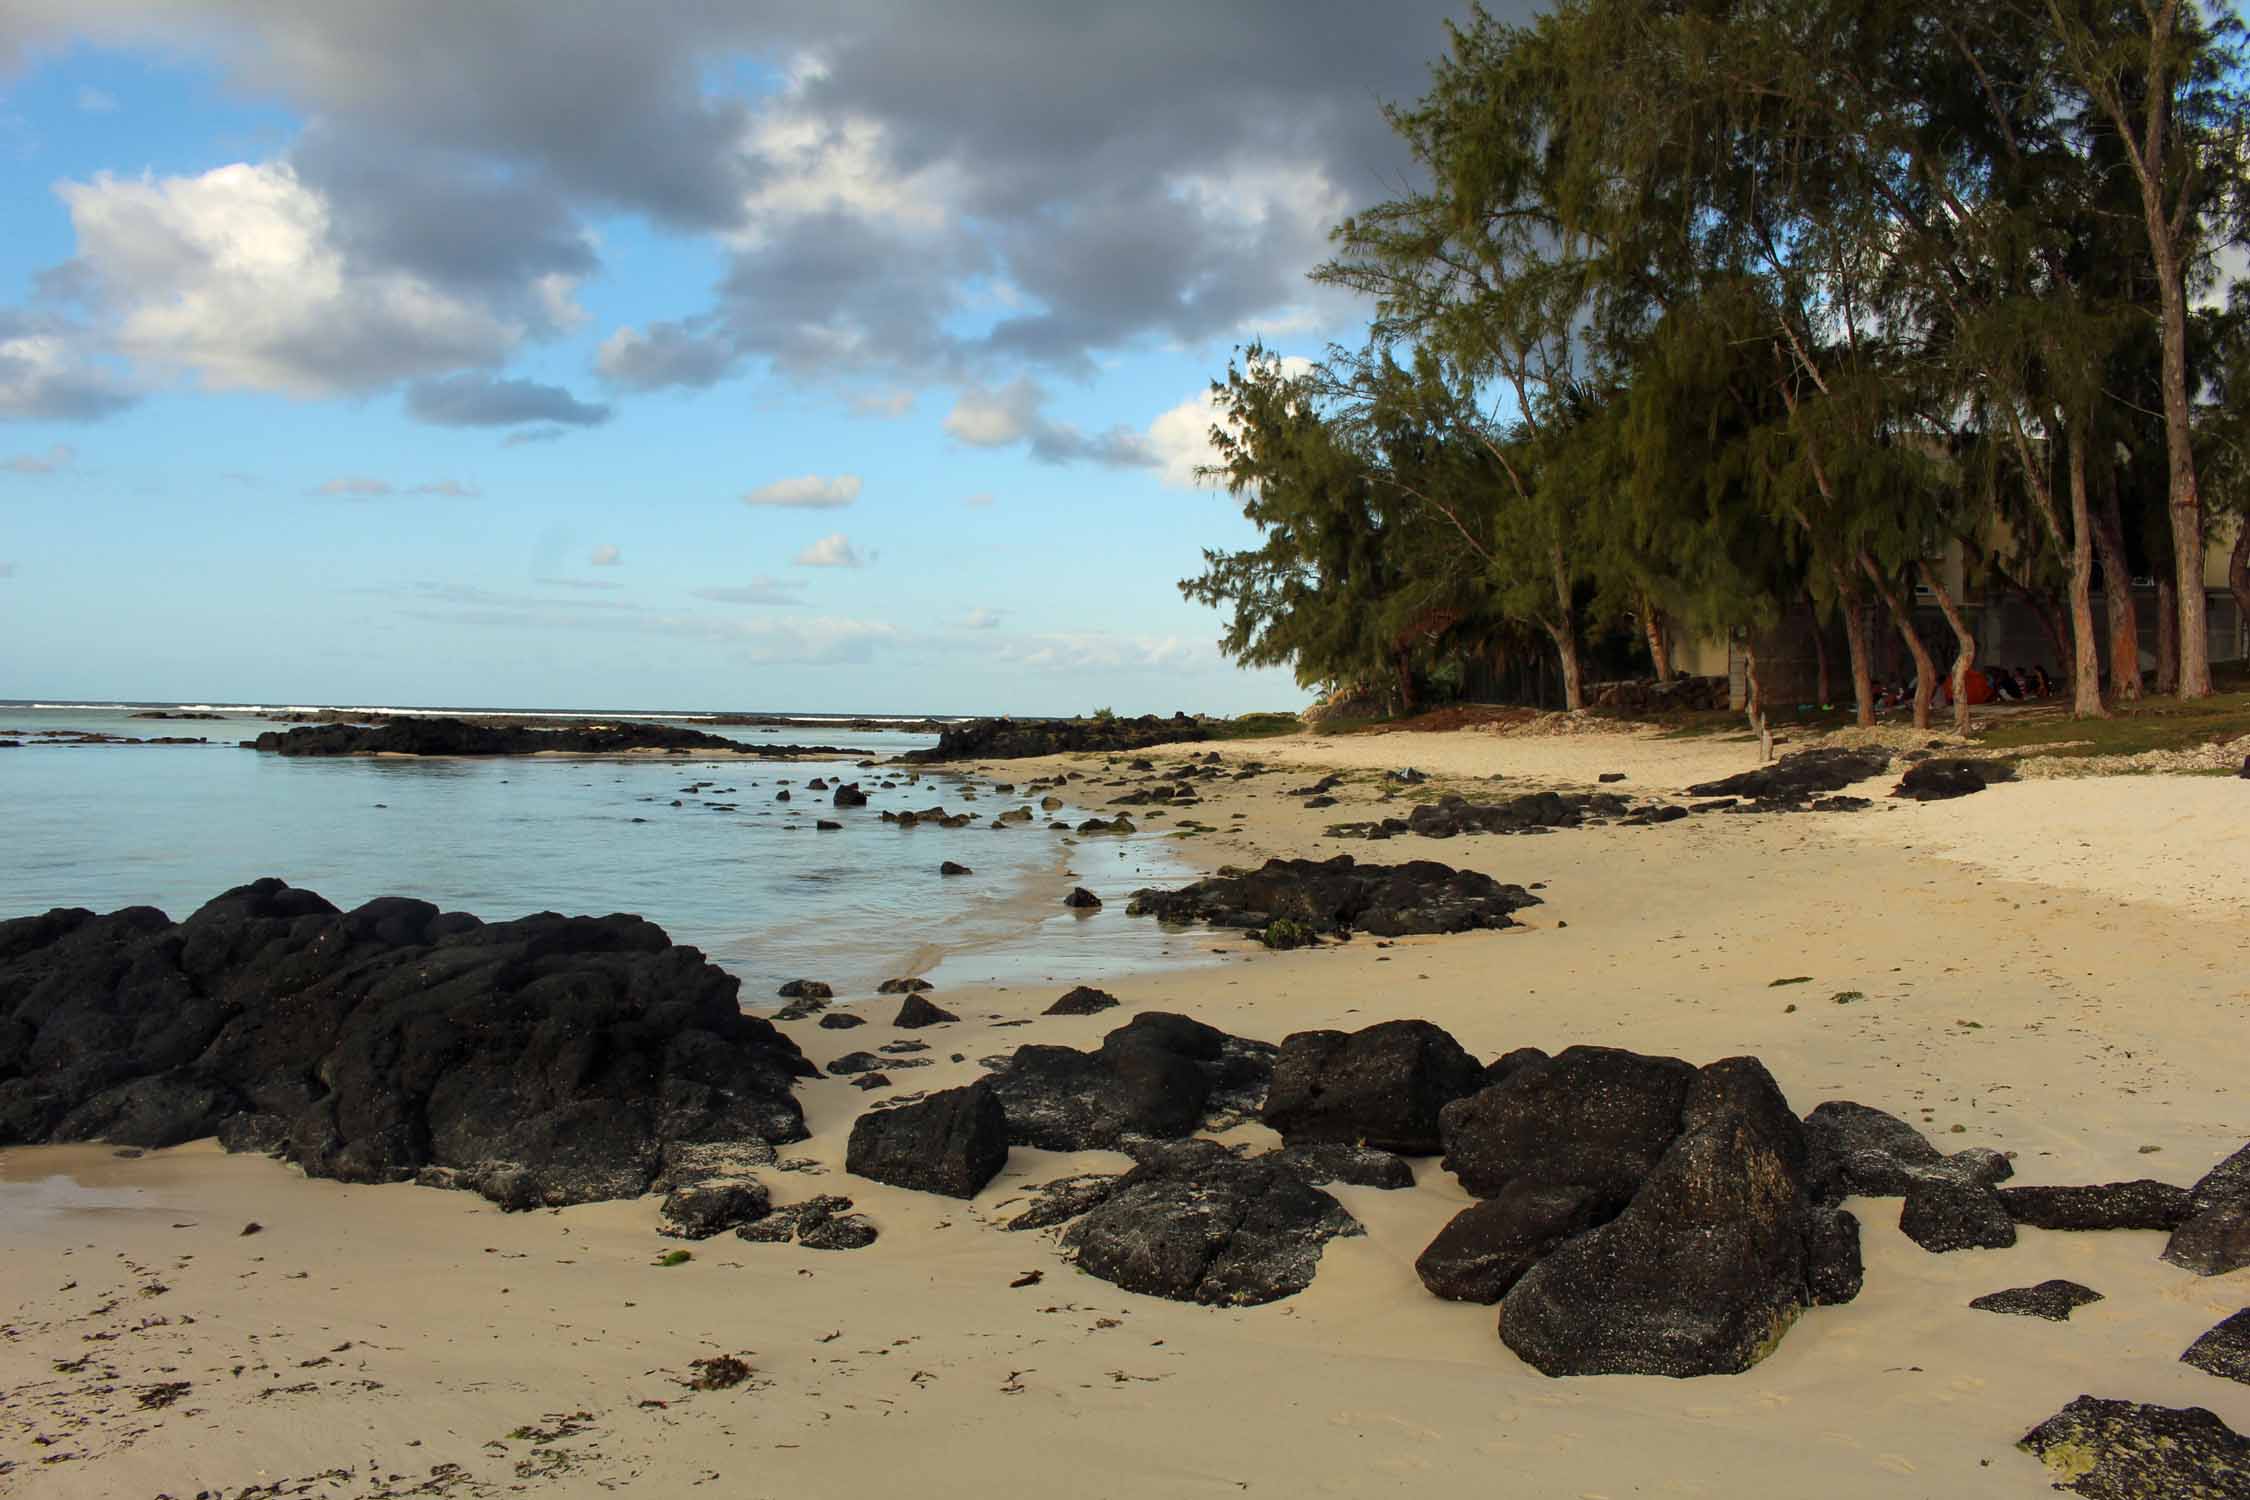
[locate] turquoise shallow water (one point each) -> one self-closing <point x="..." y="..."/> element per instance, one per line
<point x="752" y="884"/>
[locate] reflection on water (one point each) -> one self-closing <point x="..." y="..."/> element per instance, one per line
<point x="742" y="876"/>
<point x="34" y="1204"/>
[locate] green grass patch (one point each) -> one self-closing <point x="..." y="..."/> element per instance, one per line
<point x="675" y="1258"/>
<point x="1263" y="726"/>
<point x="2151" y="724"/>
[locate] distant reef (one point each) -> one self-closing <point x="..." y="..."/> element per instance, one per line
<point x="444" y="736"/>
<point x="1016" y="739"/>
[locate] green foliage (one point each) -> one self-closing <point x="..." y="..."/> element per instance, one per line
<point x="1283" y="932"/>
<point x="675" y="1258"/>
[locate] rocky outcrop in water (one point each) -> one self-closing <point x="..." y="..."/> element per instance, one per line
<point x="1016" y="739"/>
<point x="446" y="736"/>
<point x="547" y="1060"/>
<point x="1339" y="895"/>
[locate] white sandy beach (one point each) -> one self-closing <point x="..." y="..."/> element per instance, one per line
<point x="2051" y="968"/>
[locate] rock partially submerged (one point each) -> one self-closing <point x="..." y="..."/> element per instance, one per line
<point x="1339" y="895"/>
<point x="2123" y="1450"/>
<point x="448" y="736"/>
<point x="1195" y="1223"/>
<point x="548" y="1060"/>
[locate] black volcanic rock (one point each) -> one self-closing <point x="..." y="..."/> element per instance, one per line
<point x="918" y="1012"/>
<point x="2121" y="1450"/>
<point x="1799" y="778"/>
<point x="1938" y="780"/>
<point x="848" y="794"/>
<point x="1082" y="1001"/>
<point x="1081" y="899"/>
<point x="1486" y="1247"/>
<point x="805" y="989"/>
<point x="1942" y="1215"/>
<point x="1015" y="739"/>
<point x="904" y="986"/>
<point x="1593" y="1117"/>
<point x="2224" y="1349"/>
<point x="1381" y="1087"/>
<point x="1452" y="816"/>
<point x="446" y="736"/>
<point x="953" y="1142"/>
<point x="1340" y="895"/>
<point x="2140" y="1204"/>
<point x="2216" y="1236"/>
<point x="547" y="1060"/>
<point x="1159" y="1076"/>
<point x="2053" y="1300"/>
<point x="1860" y="1149"/>
<point x="1194" y="1223"/>
<point x="703" y="1209"/>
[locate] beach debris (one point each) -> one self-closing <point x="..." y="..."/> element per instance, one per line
<point x="1082" y="1001"/>
<point x="436" y="1042"/>
<point x="672" y="1258"/>
<point x="918" y="1012"/>
<point x="1339" y="895"/>
<point x="1029" y="1278"/>
<point x="1792" y="979"/>
<point x="157" y="1397"/>
<point x="1381" y="1087"/>
<point x="2224" y="1349"/>
<point x="953" y="1142"/>
<point x="2054" y="1300"/>
<point x="2124" y="1450"/>
<point x="1081" y="899"/>
<point x="1192" y="1222"/>
<point x="2216" y="1236"/>
<point x="717" y="1372"/>
<point x="2140" y="1204"/>
<point x="703" y="1209"/>
<point x="1160" y="1076"/>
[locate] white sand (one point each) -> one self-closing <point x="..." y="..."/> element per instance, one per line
<point x="2074" y="1023"/>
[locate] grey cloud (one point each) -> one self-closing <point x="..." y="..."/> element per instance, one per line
<point x="693" y="354"/>
<point x="473" y="400"/>
<point x="55" y="459"/>
<point x="46" y="374"/>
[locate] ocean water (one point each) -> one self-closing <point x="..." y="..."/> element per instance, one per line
<point x="731" y="870"/>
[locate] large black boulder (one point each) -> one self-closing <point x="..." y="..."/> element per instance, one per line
<point x="1382" y="1086"/>
<point x="1485" y="1248"/>
<point x="953" y="1142"/>
<point x="1941" y="1215"/>
<point x="1719" y="1251"/>
<point x="1593" y="1117"/>
<point x="2140" y="1204"/>
<point x="2122" y="1450"/>
<point x="547" y="1060"/>
<point x="2215" y="1237"/>
<point x="1857" y="1148"/>
<point x="1941" y="779"/>
<point x="1194" y="1223"/>
<point x="1339" y="895"/>
<point x="1159" y="1076"/>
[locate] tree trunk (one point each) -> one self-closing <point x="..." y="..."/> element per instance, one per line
<point x="1855" y="641"/>
<point x="1822" y="692"/>
<point x="2169" y="665"/>
<point x="1965" y="646"/>
<point x="1925" y="670"/>
<point x="1754" y="698"/>
<point x="1565" y="632"/>
<point x="2117" y="597"/>
<point x="2192" y="637"/>
<point x="1659" y="639"/>
<point x="2086" y="670"/>
<point x="2238" y="570"/>
<point x="1402" y="667"/>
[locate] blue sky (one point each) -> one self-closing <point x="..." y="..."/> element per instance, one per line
<point x="822" y="356"/>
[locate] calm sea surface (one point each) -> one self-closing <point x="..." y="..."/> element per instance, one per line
<point x="752" y="884"/>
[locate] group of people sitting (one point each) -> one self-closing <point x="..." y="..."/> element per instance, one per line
<point x="1981" y="685"/>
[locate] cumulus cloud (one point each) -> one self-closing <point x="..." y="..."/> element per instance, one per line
<point x="60" y="456"/>
<point x="831" y="551"/>
<point x="1015" y="413"/>
<point x="807" y="492"/>
<point x="607" y="555"/>
<point x="1178" y="442"/>
<point x="759" y="590"/>
<point x="475" y="400"/>
<point x="50" y="372"/>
